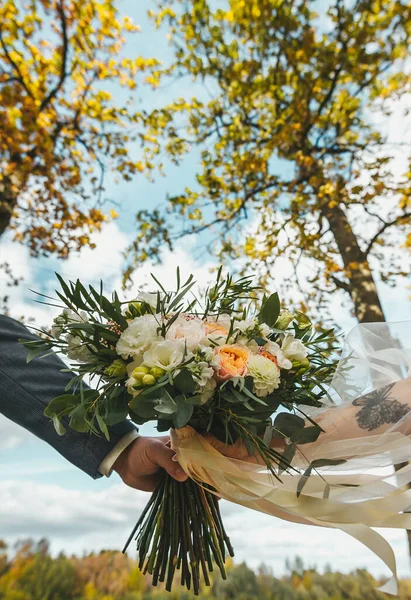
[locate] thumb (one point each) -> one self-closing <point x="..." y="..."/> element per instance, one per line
<point x="164" y="457"/>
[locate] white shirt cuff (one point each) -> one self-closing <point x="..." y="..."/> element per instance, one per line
<point x="106" y="467"/>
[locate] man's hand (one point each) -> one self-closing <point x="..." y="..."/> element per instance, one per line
<point x="140" y="463"/>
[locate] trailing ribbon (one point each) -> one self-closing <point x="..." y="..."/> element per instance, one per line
<point x="353" y="497"/>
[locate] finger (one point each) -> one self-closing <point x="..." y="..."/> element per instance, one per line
<point x="163" y="457"/>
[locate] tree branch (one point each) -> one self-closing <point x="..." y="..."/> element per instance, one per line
<point x="15" y="66"/>
<point x="342" y="285"/>
<point x="64" y="53"/>
<point x="387" y="225"/>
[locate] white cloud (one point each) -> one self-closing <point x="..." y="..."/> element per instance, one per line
<point x="92" y="520"/>
<point x="11" y="435"/>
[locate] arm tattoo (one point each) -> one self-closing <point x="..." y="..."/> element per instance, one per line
<point x="379" y="408"/>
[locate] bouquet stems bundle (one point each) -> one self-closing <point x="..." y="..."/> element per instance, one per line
<point x="223" y="364"/>
<point x="181" y="528"/>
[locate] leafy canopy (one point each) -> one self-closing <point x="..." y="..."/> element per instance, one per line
<point x="287" y="135"/>
<point x="61" y="127"/>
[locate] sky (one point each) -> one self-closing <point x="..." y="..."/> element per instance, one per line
<point x="42" y="495"/>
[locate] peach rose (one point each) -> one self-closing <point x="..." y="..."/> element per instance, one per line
<point x="232" y="361"/>
<point x="215" y="328"/>
<point x="268" y="355"/>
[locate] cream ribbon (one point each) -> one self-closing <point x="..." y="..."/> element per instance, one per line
<point x="358" y="500"/>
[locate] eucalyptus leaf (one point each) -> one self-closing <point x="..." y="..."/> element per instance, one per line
<point x="58" y="425"/>
<point x="143" y="409"/>
<point x="183" y="414"/>
<point x="270" y="310"/>
<point x="60" y="404"/>
<point x="185" y="382"/>
<point x="288" y="423"/>
<point x="327" y="462"/>
<point x="306" y="435"/>
<point x="166" y="405"/>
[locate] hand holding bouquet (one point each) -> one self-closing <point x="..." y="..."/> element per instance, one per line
<point x="215" y="364"/>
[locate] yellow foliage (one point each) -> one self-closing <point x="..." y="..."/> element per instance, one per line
<point x="59" y="124"/>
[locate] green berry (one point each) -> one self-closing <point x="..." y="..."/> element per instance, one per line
<point x="148" y="380"/>
<point x="139" y="372"/>
<point x="157" y="372"/>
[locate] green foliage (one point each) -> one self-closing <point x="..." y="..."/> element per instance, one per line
<point x="33" y="574"/>
<point x="95" y="323"/>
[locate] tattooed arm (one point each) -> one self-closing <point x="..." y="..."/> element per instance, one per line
<point x="372" y="414"/>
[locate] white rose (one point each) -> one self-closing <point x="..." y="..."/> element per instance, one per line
<point x="265" y="374"/>
<point x="190" y="331"/>
<point x="167" y="355"/>
<point x="138" y="337"/>
<point x="274" y="349"/>
<point x="293" y="349"/>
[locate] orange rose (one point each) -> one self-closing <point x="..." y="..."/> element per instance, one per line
<point x="268" y="355"/>
<point x="233" y="361"/>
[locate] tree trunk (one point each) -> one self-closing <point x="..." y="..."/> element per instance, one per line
<point x="8" y="202"/>
<point x="362" y="287"/>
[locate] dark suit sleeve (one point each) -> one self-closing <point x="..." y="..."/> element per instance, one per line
<point x="26" y="389"/>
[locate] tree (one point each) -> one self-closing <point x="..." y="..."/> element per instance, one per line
<point x="288" y="141"/>
<point x="61" y="129"/>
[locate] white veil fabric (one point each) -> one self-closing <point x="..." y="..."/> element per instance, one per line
<point x="355" y="488"/>
<point x="374" y="356"/>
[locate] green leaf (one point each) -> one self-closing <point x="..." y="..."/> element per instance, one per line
<point x="303" y="480"/>
<point x="268" y="435"/>
<point x="327" y="462"/>
<point x="60" y="404"/>
<point x="58" y="425"/>
<point x="117" y="408"/>
<point x="270" y="310"/>
<point x="102" y="425"/>
<point x="288" y="423"/>
<point x="64" y="287"/>
<point x="183" y="414"/>
<point x="77" y="421"/>
<point x="166" y="405"/>
<point x="185" y="382"/>
<point x="163" y="425"/>
<point x="33" y="353"/>
<point x="306" y="435"/>
<point x="143" y="409"/>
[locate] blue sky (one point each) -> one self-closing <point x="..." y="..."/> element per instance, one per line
<point x="43" y="495"/>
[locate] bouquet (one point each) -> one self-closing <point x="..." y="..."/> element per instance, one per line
<point x="221" y="364"/>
